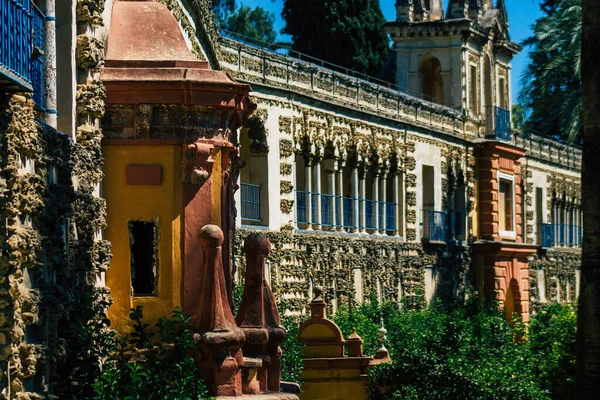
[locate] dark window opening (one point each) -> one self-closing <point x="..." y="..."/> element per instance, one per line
<point x="143" y="241"/>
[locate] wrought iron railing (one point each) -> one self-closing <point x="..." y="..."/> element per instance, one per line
<point x="301" y="207"/>
<point x="37" y="60"/>
<point x="390" y="216"/>
<point x="250" y="202"/>
<point x="550" y="235"/>
<point x="455" y="225"/>
<point x="498" y="123"/>
<point x="22" y="45"/>
<point x="349" y="212"/>
<point x="370" y="222"/>
<point x="440" y="226"/>
<point x="346" y="212"/>
<point x="434" y="226"/>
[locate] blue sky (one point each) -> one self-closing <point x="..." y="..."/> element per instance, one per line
<point x="521" y="15"/>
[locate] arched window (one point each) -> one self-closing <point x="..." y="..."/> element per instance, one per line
<point x="432" y="86"/>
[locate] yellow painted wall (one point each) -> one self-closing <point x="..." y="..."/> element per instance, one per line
<point x="125" y="203"/>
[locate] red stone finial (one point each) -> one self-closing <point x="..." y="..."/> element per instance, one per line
<point x="258" y="316"/>
<point x="317" y="306"/>
<point x="354" y="344"/>
<point x="219" y="339"/>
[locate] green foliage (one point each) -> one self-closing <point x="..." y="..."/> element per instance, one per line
<point x="348" y="33"/>
<point x="552" y="347"/>
<point x="89" y="341"/>
<point x="138" y="369"/>
<point x="518" y="116"/>
<point x="254" y="24"/>
<point x="223" y="9"/>
<point x="466" y="351"/>
<point x="291" y="361"/>
<point x="551" y="84"/>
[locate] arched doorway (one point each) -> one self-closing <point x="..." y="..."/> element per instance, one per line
<point x="512" y="300"/>
<point x="432" y="86"/>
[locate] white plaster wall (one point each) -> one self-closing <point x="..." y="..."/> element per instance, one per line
<point x="426" y="154"/>
<point x="274" y="177"/>
<point x="430" y="284"/>
<point x="539" y="180"/>
<point x="447" y="50"/>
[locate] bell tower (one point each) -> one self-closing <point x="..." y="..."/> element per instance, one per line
<point x="460" y="59"/>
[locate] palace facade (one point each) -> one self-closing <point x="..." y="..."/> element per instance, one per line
<point x="127" y="126"/>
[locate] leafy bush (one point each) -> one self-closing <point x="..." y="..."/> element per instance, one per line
<point x="291" y="361"/>
<point x="464" y="351"/>
<point x="552" y="347"/>
<point x="138" y="369"/>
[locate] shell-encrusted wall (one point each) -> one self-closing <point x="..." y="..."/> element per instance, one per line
<point x="397" y="268"/>
<point x="53" y="330"/>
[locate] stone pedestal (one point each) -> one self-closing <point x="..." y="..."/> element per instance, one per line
<point x="328" y="373"/>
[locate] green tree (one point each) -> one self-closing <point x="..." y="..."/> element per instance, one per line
<point x="551" y="347"/>
<point x="551" y="84"/>
<point x="255" y="24"/>
<point x="223" y="9"/>
<point x="518" y="116"/>
<point x="348" y="33"/>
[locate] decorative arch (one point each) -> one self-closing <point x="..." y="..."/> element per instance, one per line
<point x="432" y="85"/>
<point x="512" y="300"/>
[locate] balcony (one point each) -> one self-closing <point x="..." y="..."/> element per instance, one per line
<point x="250" y="202"/>
<point x="441" y="226"/>
<point x="22" y="47"/>
<point x="551" y="235"/>
<point x="498" y="123"/>
<point x="342" y="212"/>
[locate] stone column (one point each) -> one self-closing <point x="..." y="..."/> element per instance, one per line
<point x="376" y="201"/>
<point x="383" y="183"/>
<point x="330" y="167"/>
<point x="355" y="201"/>
<point x="340" y="190"/>
<point x="317" y="190"/>
<point x="332" y="199"/>
<point x="308" y="202"/>
<point x="397" y="200"/>
<point x="362" y="187"/>
<point x="50" y="115"/>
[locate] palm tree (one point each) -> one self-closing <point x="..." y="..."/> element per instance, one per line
<point x="588" y="321"/>
<point x="551" y="84"/>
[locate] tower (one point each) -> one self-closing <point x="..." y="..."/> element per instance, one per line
<point x="460" y="59"/>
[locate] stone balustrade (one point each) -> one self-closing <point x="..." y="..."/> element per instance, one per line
<point x="261" y="66"/>
<point x="548" y="150"/>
